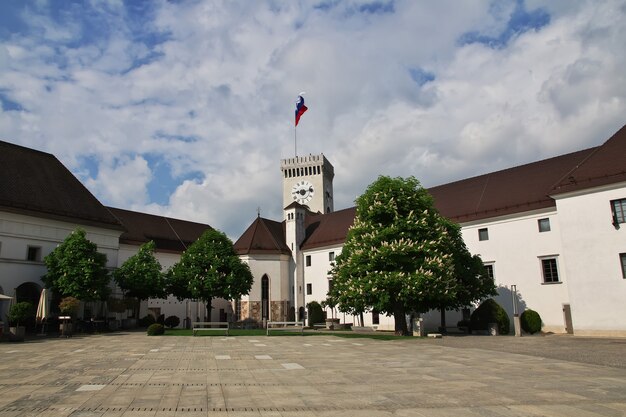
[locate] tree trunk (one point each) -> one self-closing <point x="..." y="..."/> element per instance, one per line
<point x="208" y="309"/>
<point x="442" y="309"/>
<point x="400" y="320"/>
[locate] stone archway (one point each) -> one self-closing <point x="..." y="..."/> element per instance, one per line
<point x="29" y="292"/>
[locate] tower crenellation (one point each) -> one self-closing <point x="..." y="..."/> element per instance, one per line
<point x="308" y="180"/>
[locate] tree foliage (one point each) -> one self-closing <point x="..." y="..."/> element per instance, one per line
<point x="140" y="275"/>
<point x="77" y="269"/>
<point x="208" y="269"/>
<point x="398" y="255"/>
<point x="472" y="282"/>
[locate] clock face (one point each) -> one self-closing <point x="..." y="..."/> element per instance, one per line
<point x="302" y="192"/>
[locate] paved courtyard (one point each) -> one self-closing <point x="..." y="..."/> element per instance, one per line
<point x="130" y="374"/>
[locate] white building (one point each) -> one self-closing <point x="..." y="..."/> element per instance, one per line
<point x="554" y="229"/>
<point x="551" y="229"/>
<point x="41" y="203"/>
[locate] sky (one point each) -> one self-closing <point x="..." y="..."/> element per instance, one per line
<point x="185" y="108"/>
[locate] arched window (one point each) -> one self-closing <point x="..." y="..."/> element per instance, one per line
<point x="265" y="297"/>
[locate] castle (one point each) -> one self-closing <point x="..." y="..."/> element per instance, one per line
<point x="550" y="233"/>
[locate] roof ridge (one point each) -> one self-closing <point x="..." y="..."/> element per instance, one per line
<point x="571" y="171"/>
<point x="592" y="148"/>
<point x="26" y="148"/>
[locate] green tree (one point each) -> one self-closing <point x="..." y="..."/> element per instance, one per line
<point x="140" y="276"/>
<point x="472" y="282"/>
<point x="77" y="269"/>
<point x="397" y="257"/>
<point x="208" y="269"/>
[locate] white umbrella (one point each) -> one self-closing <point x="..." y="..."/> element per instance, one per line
<point x="43" y="309"/>
<point x="4" y="297"/>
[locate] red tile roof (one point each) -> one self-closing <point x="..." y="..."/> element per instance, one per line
<point x="513" y="190"/>
<point x="264" y="236"/>
<point x="605" y="165"/>
<point x="37" y="183"/>
<point x="328" y="229"/>
<point x="169" y="235"/>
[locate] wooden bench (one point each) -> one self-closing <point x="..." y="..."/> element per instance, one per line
<point x="285" y="326"/>
<point x="201" y="326"/>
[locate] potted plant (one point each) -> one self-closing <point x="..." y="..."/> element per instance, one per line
<point x="331" y="323"/>
<point x="68" y="307"/>
<point x="18" y="313"/>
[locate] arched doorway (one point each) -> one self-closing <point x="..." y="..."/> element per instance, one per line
<point x="265" y="298"/>
<point x="29" y="292"/>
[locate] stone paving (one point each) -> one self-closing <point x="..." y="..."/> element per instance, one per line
<point x="130" y="374"/>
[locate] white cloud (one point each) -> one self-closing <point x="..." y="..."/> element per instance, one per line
<point x="209" y="88"/>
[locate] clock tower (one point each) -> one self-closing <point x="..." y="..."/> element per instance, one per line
<point x="308" y="180"/>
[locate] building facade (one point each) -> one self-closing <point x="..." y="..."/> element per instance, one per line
<point x="551" y="233"/>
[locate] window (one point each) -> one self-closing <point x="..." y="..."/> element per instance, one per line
<point x="308" y="260"/>
<point x="331" y="256"/>
<point x="483" y="234"/>
<point x="33" y="254"/>
<point x="618" y="208"/>
<point x="309" y="289"/>
<point x="550" y="272"/>
<point x="544" y="225"/>
<point x="330" y="285"/>
<point x="622" y="258"/>
<point x="489" y="270"/>
<point x="375" y="317"/>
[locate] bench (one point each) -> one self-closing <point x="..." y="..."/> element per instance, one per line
<point x="285" y="326"/>
<point x="201" y="326"/>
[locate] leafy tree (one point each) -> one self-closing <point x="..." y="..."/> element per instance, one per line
<point x="398" y="255"/>
<point x="19" y="312"/>
<point x="472" y="281"/>
<point x="77" y="269"/>
<point x="208" y="269"/>
<point x="140" y="276"/>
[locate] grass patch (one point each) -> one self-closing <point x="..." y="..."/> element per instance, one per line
<point x="263" y="332"/>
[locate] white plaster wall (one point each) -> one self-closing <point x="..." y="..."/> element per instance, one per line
<point x="597" y="288"/>
<point x="514" y="248"/>
<point x="318" y="273"/>
<point x="17" y="232"/>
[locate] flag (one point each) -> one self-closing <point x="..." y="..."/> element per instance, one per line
<point x="300" y="108"/>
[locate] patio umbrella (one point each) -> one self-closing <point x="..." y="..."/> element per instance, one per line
<point x="43" y="309"/>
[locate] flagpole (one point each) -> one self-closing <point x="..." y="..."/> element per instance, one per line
<point x="295" y="141"/>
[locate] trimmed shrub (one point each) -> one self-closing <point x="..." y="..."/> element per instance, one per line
<point x="19" y="312"/>
<point x="147" y="320"/>
<point x="490" y="312"/>
<point x="316" y="314"/>
<point x="530" y="321"/>
<point x="156" y="329"/>
<point x="172" y="321"/>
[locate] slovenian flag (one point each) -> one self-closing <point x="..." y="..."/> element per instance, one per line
<point x="300" y="108"/>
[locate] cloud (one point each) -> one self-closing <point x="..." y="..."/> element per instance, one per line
<point x="186" y="108"/>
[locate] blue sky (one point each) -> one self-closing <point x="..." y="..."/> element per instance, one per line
<point x="185" y="108"/>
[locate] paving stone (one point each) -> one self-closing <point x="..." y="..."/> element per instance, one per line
<point x="130" y="374"/>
